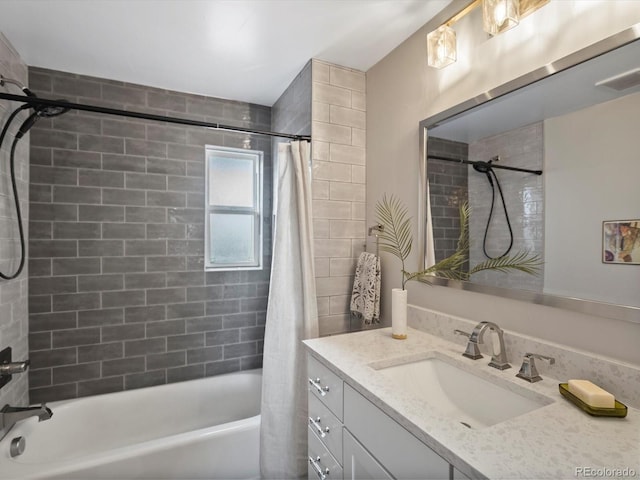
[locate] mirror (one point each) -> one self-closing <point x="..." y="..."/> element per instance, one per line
<point x="575" y="120"/>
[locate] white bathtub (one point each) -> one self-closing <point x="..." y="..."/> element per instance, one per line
<point x="206" y="428"/>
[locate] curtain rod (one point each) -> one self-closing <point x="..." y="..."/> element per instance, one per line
<point x="35" y="101"/>
<point x="483" y="164"/>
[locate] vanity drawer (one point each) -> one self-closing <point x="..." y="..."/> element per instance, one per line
<point x="321" y="464"/>
<point x="325" y="385"/>
<point x="326" y="426"/>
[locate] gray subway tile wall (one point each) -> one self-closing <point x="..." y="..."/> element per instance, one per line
<point x="448" y="189"/>
<point x="117" y="293"/>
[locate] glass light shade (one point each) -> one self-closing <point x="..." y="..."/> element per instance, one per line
<point x="500" y="15"/>
<point x="441" y="47"/>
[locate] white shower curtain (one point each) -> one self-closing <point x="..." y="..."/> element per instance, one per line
<point x="430" y="253"/>
<point x="291" y="317"/>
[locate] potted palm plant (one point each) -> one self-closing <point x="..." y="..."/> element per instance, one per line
<point x="396" y="238"/>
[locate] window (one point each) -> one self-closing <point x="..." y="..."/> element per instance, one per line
<point x="233" y="223"/>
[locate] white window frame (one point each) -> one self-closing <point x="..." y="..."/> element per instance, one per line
<point x="255" y="211"/>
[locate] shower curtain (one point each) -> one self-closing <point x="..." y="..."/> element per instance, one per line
<point x="291" y="317"/>
<point x="429" y="253"/>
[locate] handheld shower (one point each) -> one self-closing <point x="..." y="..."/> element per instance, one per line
<point x="39" y="111"/>
<point x="487" y="169"/>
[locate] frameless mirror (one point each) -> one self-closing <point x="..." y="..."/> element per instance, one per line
<point x="577" y="122"/>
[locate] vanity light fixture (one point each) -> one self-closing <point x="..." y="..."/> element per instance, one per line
<point x="500" y="15"/>
<point x="497" y="16"/>
<point x="441" y="47"/>
<point x="441" y="43"/>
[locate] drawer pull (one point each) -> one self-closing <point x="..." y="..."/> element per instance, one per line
<point x="316" y="466"/>
<point x="316" y="384"/>
<point x="316" y="425"/>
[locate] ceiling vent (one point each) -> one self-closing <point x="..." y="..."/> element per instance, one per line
<point x="622" y="81"/>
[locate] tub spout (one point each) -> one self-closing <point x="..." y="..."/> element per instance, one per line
<point x="10" y="415"/>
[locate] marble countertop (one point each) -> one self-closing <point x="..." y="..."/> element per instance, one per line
<point x="551" y="442"/>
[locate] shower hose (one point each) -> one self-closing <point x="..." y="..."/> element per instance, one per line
<point x="485" y="167"/>
<point x="14" y="186"/>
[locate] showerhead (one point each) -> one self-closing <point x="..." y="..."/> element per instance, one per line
<point x="485" y="167"/>
<point x="49" y="111"/>
<point x="482" y="167"/>
<point x="40" y="111"/>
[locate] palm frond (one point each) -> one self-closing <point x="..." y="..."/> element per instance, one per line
<point x="463" y="238"/>
<point x="523" y="261"/>
<point x="396" y="237"/>
<point x="450" y="267"/>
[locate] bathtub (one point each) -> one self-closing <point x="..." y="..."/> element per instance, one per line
<point x="207" y="428"/>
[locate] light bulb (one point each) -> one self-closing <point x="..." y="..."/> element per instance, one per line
<point x="499" y="15"/>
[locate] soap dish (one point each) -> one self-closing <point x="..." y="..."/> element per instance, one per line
<point x="620" y="410"/>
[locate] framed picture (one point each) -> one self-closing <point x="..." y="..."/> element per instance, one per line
<point x="621" y="241"/>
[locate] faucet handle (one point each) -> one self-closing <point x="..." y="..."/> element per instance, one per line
<point x="472" y="351"/>
<point x="528" y="370"/>
<point x="462" y="333"/>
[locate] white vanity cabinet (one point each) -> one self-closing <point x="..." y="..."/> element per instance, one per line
<point x="324" y="433"/>
<point x="351" y="438"/>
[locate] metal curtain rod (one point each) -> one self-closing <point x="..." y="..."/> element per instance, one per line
<point x="484" y="164"/>
<point x="35" y="101"/>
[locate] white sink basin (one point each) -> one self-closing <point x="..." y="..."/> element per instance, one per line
<point x="471" y="400"/>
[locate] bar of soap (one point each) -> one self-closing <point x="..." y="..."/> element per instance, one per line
<point x="591" y="394"/>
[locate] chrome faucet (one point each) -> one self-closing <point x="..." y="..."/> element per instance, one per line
<point x="498" y="361"/>
<point x="10" y="415"/>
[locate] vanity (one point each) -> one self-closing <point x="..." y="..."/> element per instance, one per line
<point x="339" y="415"/>
<point x="417" y="409"/>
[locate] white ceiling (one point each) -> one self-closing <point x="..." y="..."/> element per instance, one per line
<point x="248" y="50"/>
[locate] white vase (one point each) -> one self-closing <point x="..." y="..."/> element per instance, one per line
<point x="398" y="313"/>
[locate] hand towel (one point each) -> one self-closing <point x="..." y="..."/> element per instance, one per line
<point x="365" y="296"/>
